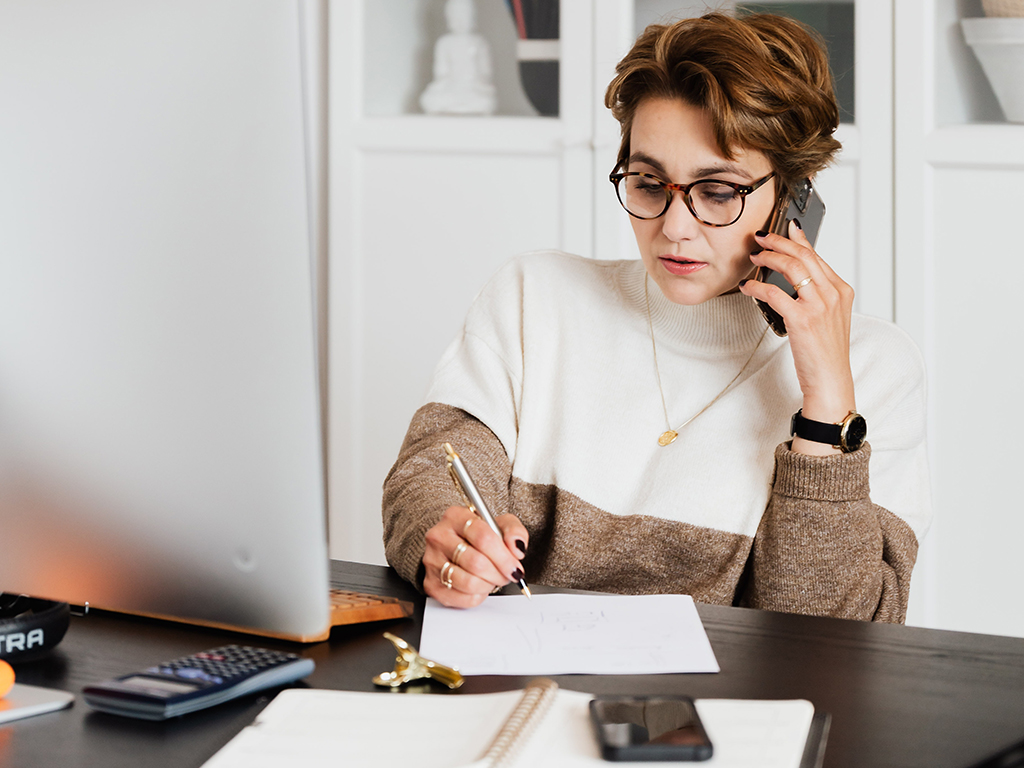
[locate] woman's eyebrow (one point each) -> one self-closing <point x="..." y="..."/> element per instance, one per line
<point x="699" y="173"/>
<point x="713" y="170"/>
<point x="643" y="157"/>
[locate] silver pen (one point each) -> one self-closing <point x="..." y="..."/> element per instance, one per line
<point x="473" y="498"/>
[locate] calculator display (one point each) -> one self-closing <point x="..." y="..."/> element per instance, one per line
<point x="159" y="687"/>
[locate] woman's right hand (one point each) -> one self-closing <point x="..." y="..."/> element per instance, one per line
<point x="481" y="560"/>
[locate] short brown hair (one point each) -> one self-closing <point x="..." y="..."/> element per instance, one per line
<point x="762" y="79"/>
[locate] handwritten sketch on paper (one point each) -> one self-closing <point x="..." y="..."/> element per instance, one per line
<point x="556" y="634"/>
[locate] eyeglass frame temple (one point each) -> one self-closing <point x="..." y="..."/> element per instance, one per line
<point x="684" y="189"/>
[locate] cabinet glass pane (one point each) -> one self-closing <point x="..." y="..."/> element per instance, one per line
<point x="400" y="39"/>
<point x="833" y="20"/>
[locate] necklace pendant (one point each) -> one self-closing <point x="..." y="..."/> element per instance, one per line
<point x="668" y="437"/>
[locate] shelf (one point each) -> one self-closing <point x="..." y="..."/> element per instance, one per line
<point x="430" y="133"/>
<point x="982" y="145"/>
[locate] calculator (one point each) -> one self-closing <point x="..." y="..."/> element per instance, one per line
<point x="195" y="682"/>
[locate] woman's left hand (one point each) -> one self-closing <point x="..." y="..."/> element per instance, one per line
<point x="818" y="322"/>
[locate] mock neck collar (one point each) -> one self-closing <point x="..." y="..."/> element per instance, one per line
<point x="725" y="324"/>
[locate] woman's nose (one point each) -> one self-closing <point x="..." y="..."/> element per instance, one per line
<point x="678" y="223"/>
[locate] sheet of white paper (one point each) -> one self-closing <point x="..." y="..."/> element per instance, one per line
<point x="744" y="733"/>
<point x="327" y="729"/>
<point x="558" y="634"/>
<point x="30" y="700"/>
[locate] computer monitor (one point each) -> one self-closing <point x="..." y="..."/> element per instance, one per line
<point x="160" y="426"/>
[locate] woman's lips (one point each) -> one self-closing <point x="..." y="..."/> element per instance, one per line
<point x="681" y="266"/>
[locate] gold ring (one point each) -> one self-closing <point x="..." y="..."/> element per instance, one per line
<point x="466" y="526"/>
<point x="458" y="552"/>
<point x="802" y="283"/>
<point x="446" y="574"/>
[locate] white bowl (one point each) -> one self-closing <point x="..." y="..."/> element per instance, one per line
<point x="999" y="45"/>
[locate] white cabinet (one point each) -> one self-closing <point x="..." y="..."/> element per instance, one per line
<point x="959" y="182"/>
<point x="424" y="209"/>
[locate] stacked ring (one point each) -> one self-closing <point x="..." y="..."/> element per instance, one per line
<point x="458" y="552"/>
<point x="446" y="574"/>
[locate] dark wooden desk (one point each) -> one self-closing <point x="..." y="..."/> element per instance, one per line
<point x="899" y="696"/>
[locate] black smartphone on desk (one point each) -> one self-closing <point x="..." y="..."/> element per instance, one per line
<point x="649" y="728"/>
<point x="804" y="204"/>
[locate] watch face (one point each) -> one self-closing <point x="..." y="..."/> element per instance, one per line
<point x="854" y="434"/>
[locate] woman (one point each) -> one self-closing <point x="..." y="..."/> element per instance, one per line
<point x="634" y="418"/>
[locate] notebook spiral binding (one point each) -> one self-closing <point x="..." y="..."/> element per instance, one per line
<point x="537" y="699"/>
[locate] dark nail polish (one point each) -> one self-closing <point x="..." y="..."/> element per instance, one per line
<point x="761" y="233"/>
<point x="759" y="250"/>
<point x="798" y="224"/>
<point x="743" y="282"/>
<point x="521" y="546"/>
<point x="517" y="574"/>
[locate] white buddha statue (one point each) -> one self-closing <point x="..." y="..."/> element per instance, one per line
<point x="462" y="67"/>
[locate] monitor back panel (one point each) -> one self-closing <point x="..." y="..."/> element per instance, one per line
<point x="160" y="443"/>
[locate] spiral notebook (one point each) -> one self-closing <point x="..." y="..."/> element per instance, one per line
<point x="540" y="726"/>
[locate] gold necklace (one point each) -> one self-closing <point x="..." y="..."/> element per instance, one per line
<point x="669" y="435"/>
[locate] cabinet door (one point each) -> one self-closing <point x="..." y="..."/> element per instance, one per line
<point x="423" y="210"/>
<point x="960" y="169"/>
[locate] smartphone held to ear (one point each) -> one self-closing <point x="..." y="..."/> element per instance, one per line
<point x="805" y="205"/>
<point x="649" y="728"/>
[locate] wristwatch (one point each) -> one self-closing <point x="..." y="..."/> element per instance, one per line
<point x="848" y="435"/>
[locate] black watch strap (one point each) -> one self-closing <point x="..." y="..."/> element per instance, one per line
<point x="815" y="431"/>
<point x="847" y="436"/>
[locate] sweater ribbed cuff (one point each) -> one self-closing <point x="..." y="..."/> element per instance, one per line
<point x="843" y="477"/>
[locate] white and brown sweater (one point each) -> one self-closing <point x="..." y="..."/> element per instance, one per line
<point x="550" y="395"/>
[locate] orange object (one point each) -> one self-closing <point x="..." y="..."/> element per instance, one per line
<point x="6" y="678"/>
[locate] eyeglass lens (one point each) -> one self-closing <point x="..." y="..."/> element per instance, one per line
<point x="710" y="201"/>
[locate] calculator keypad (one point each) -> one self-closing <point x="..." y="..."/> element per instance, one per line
<point x="222" y="665"/>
